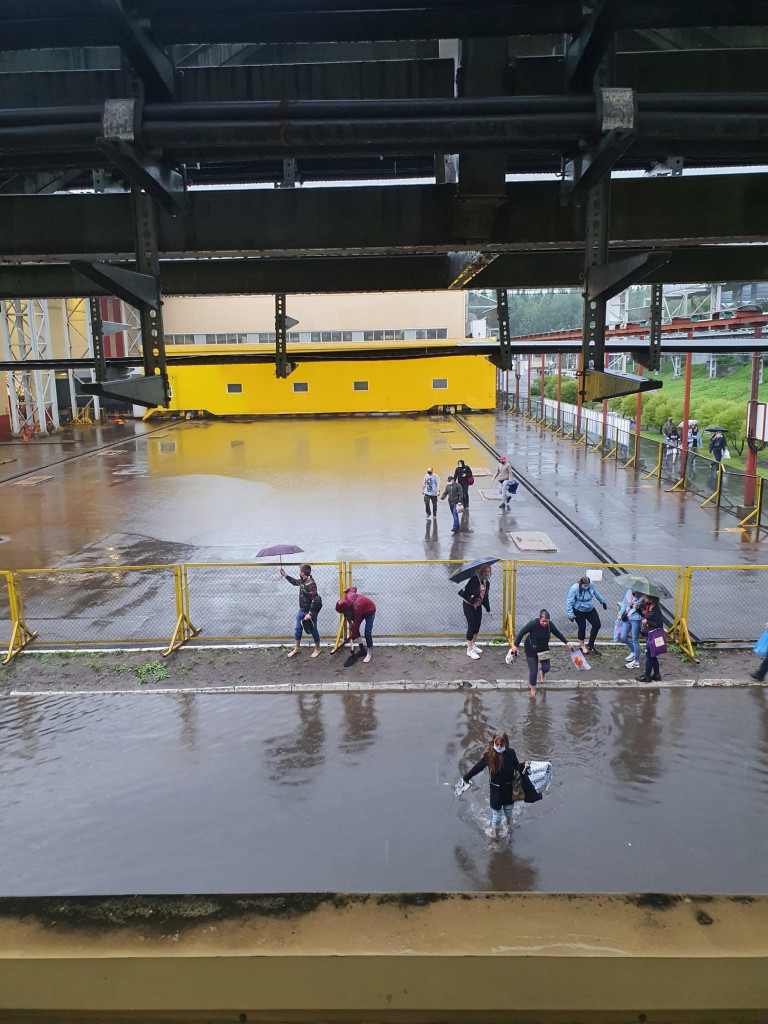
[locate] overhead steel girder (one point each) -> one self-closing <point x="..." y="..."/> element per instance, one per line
<point x="354" y="80"/>
<point x="129" y="285"/>
<point x="339" y="274"/>
<point x="226" y="22"/>
<point x="149" y="62"/>
<point x="608" y="279"/>
<point x="405" y="219"/>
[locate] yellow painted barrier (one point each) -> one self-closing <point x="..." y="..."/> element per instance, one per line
<point x="245" y="601"/>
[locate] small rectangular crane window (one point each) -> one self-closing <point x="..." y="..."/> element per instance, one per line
<point x="360" y="385"/>
<point x="300" y="386"/>
<point x="234" y="389"/>
<point x="439" y="383"/>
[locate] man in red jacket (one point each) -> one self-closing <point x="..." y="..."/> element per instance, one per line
<point x="358" y="610"/>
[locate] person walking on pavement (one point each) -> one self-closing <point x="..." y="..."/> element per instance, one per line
<point x="508" y="778"/>
<point x="718" y="446"/>
<point x="669" y="428"/>
<point x="463" y="474"/>
<point x="474" y="597"/>
<point x="580" y="605"/>
<point x="537" y="633"/>
<point x="454" y="494"/>
<point x="358" y="610"/>
<point x="503" y="474"/>
<point x="651" y="613"/>
<point x="508" y="492"/>
<point x="631" y="620"/>
<point x="310" y="604"/>
<point x="430" y="489"/>
<point x="760" y="673"/>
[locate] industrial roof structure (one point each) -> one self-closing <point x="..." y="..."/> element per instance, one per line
<point x="307" y="123"/>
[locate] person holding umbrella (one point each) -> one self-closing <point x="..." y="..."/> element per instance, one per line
<point x="537" y="634"/>
<point x="310" y="604"/>
<point x="474" y="597"/>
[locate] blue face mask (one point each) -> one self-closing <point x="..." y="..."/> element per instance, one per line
<point x="499" y="750"/>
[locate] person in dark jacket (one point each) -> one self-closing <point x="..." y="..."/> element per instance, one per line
<point x="454" y="493"/>
<point x="358" y="610"/>
<point x="310" y="604"/>
<point x="474" y="597"/>
<point x="537" y="633"/>
<point x="463" y="474"/>
<point x="509" y="780"/>
<point x="717" y="446"/>
<point x="652" y="619"/>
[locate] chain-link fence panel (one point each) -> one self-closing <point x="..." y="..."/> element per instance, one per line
<point x="417" y="599"/>
<point x="6" y="622"/>
<point x="244" y="601"/>
<point x="100" y="606"/>
<point x="700" y="474"/>
<point x="727" y="602"/>
<point x="537" y="585"/>
<point x="648" y="452"/>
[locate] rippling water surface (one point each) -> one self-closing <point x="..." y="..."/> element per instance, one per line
<point x="653" y="791"/>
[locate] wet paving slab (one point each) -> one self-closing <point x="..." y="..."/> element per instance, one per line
<point x="353" y="792"/>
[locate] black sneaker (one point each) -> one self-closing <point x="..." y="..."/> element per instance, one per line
<point x="595" y="652"/>
<point x="501" y="505"/>
<point x="757" y="676"/>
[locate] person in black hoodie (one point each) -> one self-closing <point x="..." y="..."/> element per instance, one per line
<point x="463" y="474"/>
<point x="537" y="633"/>
<point x="474" y="597"/>
<point x="509" y="780"/>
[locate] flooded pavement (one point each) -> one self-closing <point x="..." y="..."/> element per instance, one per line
<point x="636" y="520"/>
<point x="653" y="791"/>
<point x="219" y="491"/>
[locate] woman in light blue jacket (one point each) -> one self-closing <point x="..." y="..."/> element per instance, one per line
<point x="580" y="606"/>
<point x="631" y="620"/>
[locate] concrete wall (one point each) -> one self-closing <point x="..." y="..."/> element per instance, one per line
<point x="468" y="958"/>
<point x="370" y="311"/>
<point x="393" y="385"/>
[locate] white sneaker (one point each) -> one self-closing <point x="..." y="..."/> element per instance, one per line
<point x="630" y="658"/>
<point x="473" y="655"/>
<point x="478" y="648"/>
<point x="633" y="664"/>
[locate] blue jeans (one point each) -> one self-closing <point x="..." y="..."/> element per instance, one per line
<point x="298" y="631"/>
<point x="632" y="626"/>
<point x="455" y="515"/>
<point x="366" y="625"/>
<point x="503" y="812"/>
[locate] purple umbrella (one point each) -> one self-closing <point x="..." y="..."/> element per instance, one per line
<point x="279" y="549"/>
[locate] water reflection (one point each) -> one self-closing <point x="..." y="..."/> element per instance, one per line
<point x="293" y="757"/>
<point x="637" y="736"/>
<point x="360" y="722"/>
<point x="498" y="869"/>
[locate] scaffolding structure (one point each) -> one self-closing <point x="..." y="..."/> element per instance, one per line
<point x="26" y="332"/>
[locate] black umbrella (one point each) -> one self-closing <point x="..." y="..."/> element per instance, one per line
<point x="715" y="430"/>
<point x="469" y="570"/>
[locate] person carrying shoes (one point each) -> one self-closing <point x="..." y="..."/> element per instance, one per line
<point x="455" y="494"/>
<point x="580" y="606"/>
<point x="537" y="634"/>
<point x="503" y="473"/>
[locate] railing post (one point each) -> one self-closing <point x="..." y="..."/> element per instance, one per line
<point x="682" y="633"/>
<point x="184" y="628"/>
<point x="20" y="634"/>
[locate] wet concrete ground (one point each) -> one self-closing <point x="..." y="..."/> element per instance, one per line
<point x="653" y="791"/>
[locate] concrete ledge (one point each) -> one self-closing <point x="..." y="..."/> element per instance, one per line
<point x="400" y="958"/>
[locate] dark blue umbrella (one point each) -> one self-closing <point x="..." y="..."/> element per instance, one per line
<point x="469" y="570"/>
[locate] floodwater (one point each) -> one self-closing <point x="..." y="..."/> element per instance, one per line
<point x="653" y="791"/>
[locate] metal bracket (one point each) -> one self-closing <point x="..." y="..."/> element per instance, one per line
<point x="119" y="119"/>
<point x="463" y="266"/>
<point x="147" y="391"/>
<point x="149" y="62"/>
<point x="282" y="324"/>
<point x="616" y="113"/>
<point x="505" y="346"/>
<point x="97" y="335"/>
<point x="586" y="50"/>
<point x="654" y="335"/>
<point x="138" y="289"/>
<point x="603" y="281"/>
<point x="597" y="385"/>
<point x="163" y="183"/>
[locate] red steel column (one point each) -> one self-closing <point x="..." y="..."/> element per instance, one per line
<point x="580" y="379"/>
<point x="530" y="406"/>
<point x="605" y="403"/>
<point x="638" y="415"/>
<point x="559" y="384"/>
<point x="541" y="387"/>
<point x="517" y="386"/>
<point x="750" y="480"/>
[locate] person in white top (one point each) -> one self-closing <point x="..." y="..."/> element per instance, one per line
<point x="430" y="489"/>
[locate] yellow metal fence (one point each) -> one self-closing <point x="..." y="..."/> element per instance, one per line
<point x="219" y="602"/>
